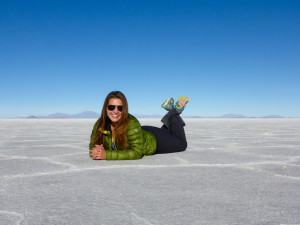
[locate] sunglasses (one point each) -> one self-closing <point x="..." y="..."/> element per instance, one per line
<point x="112" y="107"/>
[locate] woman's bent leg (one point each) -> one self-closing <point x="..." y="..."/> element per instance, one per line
<point x="176" y="127"/>
<point x="168" y="142"/>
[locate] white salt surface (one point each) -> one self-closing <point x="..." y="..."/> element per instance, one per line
<point x="235" y="171"/>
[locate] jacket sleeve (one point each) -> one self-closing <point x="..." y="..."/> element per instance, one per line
<point x="92" y="144"/>
<point x="135" y="142"/>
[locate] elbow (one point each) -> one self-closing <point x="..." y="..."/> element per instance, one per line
<point x="137" y="155"/>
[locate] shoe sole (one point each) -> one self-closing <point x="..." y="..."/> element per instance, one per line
<point x="166" y="103"/>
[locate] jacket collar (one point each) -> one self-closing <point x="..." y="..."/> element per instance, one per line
<point x="107" y="127"/>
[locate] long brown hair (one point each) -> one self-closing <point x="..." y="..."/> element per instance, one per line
<point x="122" y="124"/>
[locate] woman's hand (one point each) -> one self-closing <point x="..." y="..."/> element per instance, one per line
<point x="94" y="151"/>
<point x="98" y="152"/>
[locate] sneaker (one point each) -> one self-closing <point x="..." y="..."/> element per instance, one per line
<point x="181" y="103"/>
<point x="168" y="104"/>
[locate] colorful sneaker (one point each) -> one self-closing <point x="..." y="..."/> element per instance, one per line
<point x="168" y="104"/>
<point x="181" y="103"/>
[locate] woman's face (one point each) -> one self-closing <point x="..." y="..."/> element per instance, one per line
<point x="113" y="112"/>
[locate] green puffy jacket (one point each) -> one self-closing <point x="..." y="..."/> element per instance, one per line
<point x="140" y="142"/>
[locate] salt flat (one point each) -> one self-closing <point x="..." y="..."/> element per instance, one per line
<point x="235" y="171"/>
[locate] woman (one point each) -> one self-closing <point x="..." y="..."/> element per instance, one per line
<point x="117" y="135"/>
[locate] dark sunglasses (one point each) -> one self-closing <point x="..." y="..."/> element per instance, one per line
<point x="112" y="107"/>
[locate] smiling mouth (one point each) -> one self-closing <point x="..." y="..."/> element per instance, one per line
<point x="115" y="115"/>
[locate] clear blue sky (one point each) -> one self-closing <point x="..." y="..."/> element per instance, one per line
<point x="238" y="57"/>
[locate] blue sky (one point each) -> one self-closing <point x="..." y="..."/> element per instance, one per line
<point x="238" y="57"/>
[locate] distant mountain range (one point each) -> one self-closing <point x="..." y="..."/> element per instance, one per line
<point x="85" y="114"/>
<point x="91" y="114"/>
<point x="235" y="116"/>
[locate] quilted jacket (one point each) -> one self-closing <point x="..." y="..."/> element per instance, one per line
<point x="140" y="142"/>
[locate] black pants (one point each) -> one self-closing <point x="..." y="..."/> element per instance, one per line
<point x="169" y="140"/>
